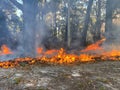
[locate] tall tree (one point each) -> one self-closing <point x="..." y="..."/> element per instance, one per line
<point x="29" y="9"/>
<point x="97" y="34"/>
<point x="68" y="31"/>
<point x="86" y="24"/>
<point x="108" y="21"/>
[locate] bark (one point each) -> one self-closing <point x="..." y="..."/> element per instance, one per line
<point x="108" y="21"/>
<point x="86" y="24"/>
<point x="68" y="31"/>
<point x="97" y="35"/>
<point x="55" y="18"/>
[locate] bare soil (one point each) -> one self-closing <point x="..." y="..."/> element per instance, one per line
<point x="103" y="75"/>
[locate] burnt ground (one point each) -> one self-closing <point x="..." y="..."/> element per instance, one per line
<point x="86" y="76"/>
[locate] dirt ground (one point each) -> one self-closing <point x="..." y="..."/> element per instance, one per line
<point x="86" y="76"/>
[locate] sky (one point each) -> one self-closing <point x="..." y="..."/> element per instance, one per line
<point x="19" y="12"/>
<point x="20" y="1"/>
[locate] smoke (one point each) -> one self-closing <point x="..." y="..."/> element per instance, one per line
<point x="32" y="34"/>
<point x="36" y="32"/>
<point x="35" y="29"/>
<point x="113" y="37"/>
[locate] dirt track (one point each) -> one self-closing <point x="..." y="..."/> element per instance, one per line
<point x="88" y="76"/>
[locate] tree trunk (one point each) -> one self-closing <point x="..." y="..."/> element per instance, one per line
<point x="86" y="24"/>
<point x="29" y="17"/>
<point x="68" y="31"/>
<point x="97" y="35"/>
<point x="55" y="19"/>
<point x="108" y="21"/>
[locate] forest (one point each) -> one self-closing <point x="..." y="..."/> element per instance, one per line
<point x="70" y="24"/>
<point x="59" y="45"/>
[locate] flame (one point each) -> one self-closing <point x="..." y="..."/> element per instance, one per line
<point x="50" y="52"/>
<point x="5" y="50"/>
<point x="95" y="46"/>
<point x="86" y="58"/>
<point x="61" y="56"/>
<point x="112" y="55"/>
<point x="39" y="50"/>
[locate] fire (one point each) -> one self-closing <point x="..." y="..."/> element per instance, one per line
<point x="50" y="56"/>
<point x="85" y="57"/>
<point x="112" y="55"/>
<point x="61" y="56"/>
<point x="39" y="50"/>
<point x="95" y="46"/>
<point x="50" y="52"/>
<point x="5" y="50"/>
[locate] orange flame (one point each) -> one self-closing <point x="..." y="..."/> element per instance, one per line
<point x="112" y="53"/>
<point x="95" y="46"/>
<point x="5" y="50"/>
<point x="39" y="50"/>
<point x="50" y="52"/>
<point x="86" y="58"/>
<point x="62" y="57"/>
